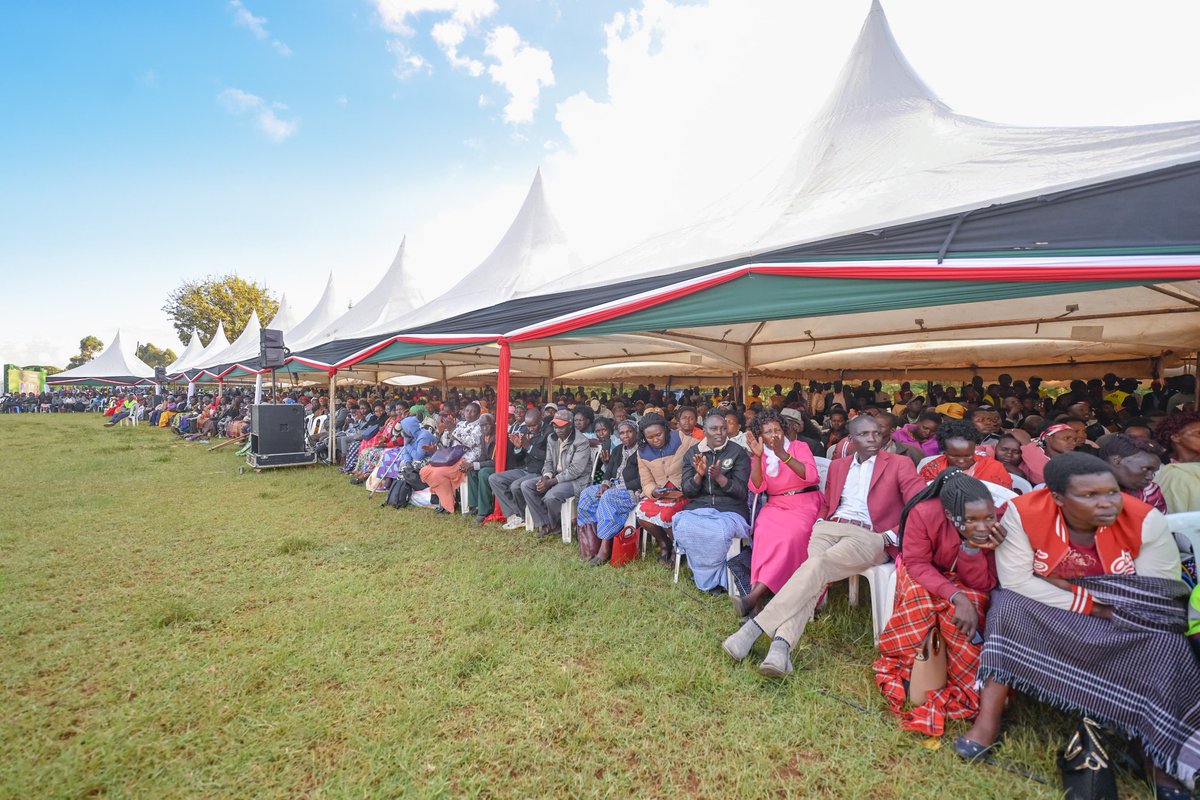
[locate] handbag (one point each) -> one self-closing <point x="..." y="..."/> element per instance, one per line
<point x="447" y="456"/>
<point x="625" y="546"/>
<point x="928" y="669"/>
<point x="589" y="542"/>
<point x="1086" y="770"/>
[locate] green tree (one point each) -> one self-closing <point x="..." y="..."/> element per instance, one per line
<point x="88" y="347"/>
<point x="154" y="356"/>
<point x="202" y="304"/>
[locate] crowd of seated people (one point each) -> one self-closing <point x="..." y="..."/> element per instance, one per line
<point x="1023" y="524"/>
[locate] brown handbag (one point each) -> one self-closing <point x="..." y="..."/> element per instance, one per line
<point x="589" y="542"/>
<point x="928" y="669"/>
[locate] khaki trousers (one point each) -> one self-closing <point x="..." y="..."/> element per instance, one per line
<point x="836" y="551"/>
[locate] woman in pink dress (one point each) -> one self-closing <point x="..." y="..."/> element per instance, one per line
<point x="786" y="472"/>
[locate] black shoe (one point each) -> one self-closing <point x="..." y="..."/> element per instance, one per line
<point x="356" y="481"/>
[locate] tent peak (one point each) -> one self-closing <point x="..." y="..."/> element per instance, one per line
<point x="877" y="73"/>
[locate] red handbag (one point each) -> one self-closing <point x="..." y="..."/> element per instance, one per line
<point x="625" y="546"/>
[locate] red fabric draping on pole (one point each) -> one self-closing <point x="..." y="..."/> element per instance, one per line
<point x="502" y="402"/>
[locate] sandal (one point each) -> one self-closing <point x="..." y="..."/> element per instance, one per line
<point x="971" y="751"/>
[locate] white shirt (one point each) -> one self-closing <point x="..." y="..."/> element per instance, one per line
<point x="853" y="504"/>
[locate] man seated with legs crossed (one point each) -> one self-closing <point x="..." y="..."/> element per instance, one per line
<point x="865" y="493"/>
<point x="566" y="471"/>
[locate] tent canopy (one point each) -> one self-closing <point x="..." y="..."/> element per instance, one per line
<point x="112" y="367"/>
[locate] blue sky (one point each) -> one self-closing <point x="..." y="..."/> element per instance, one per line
<point x="147" y="142"/>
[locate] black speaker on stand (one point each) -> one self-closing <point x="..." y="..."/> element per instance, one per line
<point x="278" y="435"/>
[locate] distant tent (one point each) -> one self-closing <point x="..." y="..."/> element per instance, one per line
<point x="190" y="353"/>
<point x="244" y="348"/>
<point x="112" y="367"/>
<point x="215" y="345"/>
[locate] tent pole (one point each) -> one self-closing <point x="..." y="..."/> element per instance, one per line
<point x="258" y="389"/>
<point x="445" y="383"/>
<point x="503" y="381"/>
<point x="332" y="416"/>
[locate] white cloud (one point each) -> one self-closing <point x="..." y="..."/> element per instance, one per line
<point x="395" y="14"/>
<point x="243" y="18"/>
<point x="241" y="103"/>
<point x="521" y="69"/>
<point x="449" y="34"/>
<point x="408" y="63"/>
<point x="342" y="100"/>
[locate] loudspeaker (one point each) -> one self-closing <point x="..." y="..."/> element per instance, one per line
<point x="277" y="429"/>
<point x="160" y="375"/>
<point x="271" y="351"/>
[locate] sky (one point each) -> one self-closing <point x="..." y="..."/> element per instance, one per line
<point x="145" y="143"/>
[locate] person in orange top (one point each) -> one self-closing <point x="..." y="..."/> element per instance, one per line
<point x="959" y="440"/>
<point x="1091" y="618"/>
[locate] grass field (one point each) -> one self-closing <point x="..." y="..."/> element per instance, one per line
<point x="170" y="627"/>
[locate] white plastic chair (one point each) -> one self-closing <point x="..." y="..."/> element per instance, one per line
<point x="822" y="469"/>
<point x="1185" y="526"/>
<point x="1021" y="485"/>
<point x="132" y="419"/>
<point x="921" y="464"/>
<point x="315" y="425"/>
<point x="463" y="498"/>
<point x="882" y="579"/>
<point x="569" y="508"/>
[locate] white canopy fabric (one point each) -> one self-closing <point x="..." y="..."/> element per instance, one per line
<point x="321" y="317"/>
<point x="112" y="364"/>
<point x="216" y="344"/>
<point x="189" y="354"/>
<point x="394" y="297"/>
<point x="532" y="253"/>
<point x="285" y="317"/>
<point x="244" y="348"/>
<point x="885" y="150"/>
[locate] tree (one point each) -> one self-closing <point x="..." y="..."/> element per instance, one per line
<point x="88" y="347"/>
<point x="153" y="356"/>
<point x="202" y="304"/>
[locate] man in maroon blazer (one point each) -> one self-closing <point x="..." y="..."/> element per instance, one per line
<point x="864" y="495"/>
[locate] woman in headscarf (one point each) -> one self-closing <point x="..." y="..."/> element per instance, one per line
<point x="783" y="470"/>
<point x="959" y="441"/>
<point x="660" y="466"/>
<point x="413" y="450"/>
<point x="716" y="477"/>
<point x="1091" y="617"/>
<point x="1134" y="462"/>
<point x="604" y="507"/>
<point x="1179" y="434"/>
<point x="1058" y="438"/>
<point x="371" y="451"/>
<point x="948" y="534"/>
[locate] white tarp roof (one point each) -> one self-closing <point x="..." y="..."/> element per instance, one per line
<point x="323" y="314"/>
<point x="216" y="344"/>
<point x="189" y="354"/>
<point x="394" y="297"/>
<point x="532" y="253"/>
<point x="112" y="362"/>
<point x="285" y="317"/>
<point x="884" y="150"/>
<point x="244" y="348"/>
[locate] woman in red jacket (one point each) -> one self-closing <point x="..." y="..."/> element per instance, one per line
<point x="949" y="533"/>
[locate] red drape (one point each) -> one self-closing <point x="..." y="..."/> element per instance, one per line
<point x="502" y="402"/>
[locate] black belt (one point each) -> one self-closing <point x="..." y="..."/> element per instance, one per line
<point x="805" y="490"/>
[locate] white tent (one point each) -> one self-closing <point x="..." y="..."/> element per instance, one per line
<point x="194" y="348"/>
<point x="244" y="348"/>
<point x="882" y="151"/>
<point x="112" y="366"/>
<point x="285" y="317"/>
<point x="321" y="317"/>
<point x="532" y="253"/>
<point x="394" y="297"/>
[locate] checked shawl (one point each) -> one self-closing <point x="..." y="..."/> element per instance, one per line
<point x="1135" y="674"/>
<point x="917" y="611"/>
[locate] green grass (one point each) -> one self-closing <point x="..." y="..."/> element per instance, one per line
<point x="170" y="627"/>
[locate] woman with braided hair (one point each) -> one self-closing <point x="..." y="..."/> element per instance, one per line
<point x="959" y="440"/>
<point x="948" y="533"/>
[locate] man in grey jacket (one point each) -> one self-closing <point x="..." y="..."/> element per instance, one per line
<point x="564" y="474"/>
